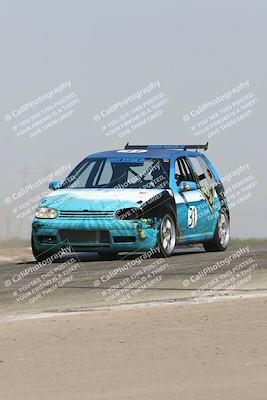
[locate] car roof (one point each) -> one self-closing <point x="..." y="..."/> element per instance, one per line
<point x="146" y="153"/>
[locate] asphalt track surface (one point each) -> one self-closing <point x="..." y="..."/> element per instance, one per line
<point x="81" y="282"/>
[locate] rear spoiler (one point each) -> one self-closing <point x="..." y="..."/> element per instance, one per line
<point x="168" y="146"/>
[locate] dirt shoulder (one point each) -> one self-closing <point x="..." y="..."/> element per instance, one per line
<point x="15" y="255"/>
<point x="203" y="351"/>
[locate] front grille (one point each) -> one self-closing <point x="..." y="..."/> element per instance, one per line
<point x="85" y="214"/>
<point x="83" y="236"/>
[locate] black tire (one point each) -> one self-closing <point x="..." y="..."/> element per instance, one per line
<point x="167" y="235"/>
<point x="221" y="240"/>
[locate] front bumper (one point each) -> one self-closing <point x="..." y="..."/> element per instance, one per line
<point x="94" y="235"/>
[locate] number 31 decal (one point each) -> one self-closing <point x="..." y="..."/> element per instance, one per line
<point x="192" y="216"/>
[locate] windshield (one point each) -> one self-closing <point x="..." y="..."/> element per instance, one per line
<point x="119" y="173"/>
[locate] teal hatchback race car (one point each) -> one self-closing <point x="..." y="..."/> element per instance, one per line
<point x="135" y="199"/>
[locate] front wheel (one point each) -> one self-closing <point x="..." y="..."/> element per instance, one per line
<point x="222" y="235"/>
<point x="167" y="235"/>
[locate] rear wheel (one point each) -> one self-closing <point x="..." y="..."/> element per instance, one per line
<point x="167" y="235"/>
<point x="222" y="234"/>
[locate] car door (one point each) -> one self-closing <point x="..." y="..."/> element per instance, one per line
<point x="193" y="210"/>
<point x="209" y="210"/>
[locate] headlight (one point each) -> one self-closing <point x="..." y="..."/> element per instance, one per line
<point x="45" y="212"/>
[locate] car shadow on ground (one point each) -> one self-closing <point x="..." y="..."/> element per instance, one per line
<point x="95" y="257"/>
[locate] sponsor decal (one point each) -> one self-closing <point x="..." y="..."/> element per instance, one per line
<point x="132" y="151"/>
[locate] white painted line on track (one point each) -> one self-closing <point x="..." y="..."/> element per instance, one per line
<point x="182" y="302"/>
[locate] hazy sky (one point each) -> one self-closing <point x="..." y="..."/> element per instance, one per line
<point x="110" y="50"/>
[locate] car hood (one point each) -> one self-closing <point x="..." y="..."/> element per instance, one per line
<point x="97" y="199"/>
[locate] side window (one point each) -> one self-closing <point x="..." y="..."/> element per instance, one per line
<point x="202" y="172"/>
<point x="183" y="171"/>
<point x="208" y="173"/>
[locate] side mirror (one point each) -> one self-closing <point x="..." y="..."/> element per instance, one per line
<point x="54" y="185"/>
<point x="185" y="186"/>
